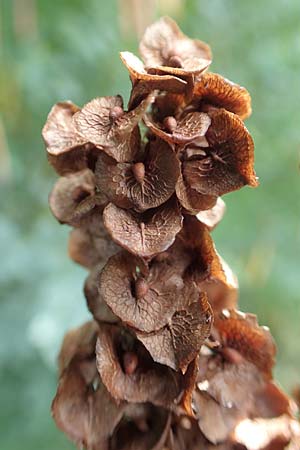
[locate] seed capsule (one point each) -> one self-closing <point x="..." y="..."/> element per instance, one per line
<point x="175" y="61"/>
<point x="130" y="362"/>
<point x="141" y="288"/>
<point x="170" y="123"/>
<point x="115" y="113"/>
<point x="138" y="170"/>
<point x="80" y="193"/>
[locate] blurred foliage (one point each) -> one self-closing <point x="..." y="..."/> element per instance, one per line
<point x="68" y="49"/>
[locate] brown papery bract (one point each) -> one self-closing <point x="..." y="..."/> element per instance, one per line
<point x="150" y="382"/>
<point x="89" y="247"/>
<point x="145" y="234"/>
<point x="178" y="343"/>
<point x="241" y="332"/>
<point x="165" y="48"/>
<point x="227" y="163"/>
<point x="148" y="82"/>
<point x="146" y="306"/>
<point x="215" y="90"/>
<point x="188" y="128"/>
<point x="103" y="122"/>
<point x="81" y="397"/>
<point x="140" y="185"/>
<point x="73" y="198"/>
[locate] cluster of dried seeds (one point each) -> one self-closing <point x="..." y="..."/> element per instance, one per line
<point x="168" y="362"/>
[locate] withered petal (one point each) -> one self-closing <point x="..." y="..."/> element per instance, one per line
<point x="228" y="161"/>
<point x="151" y="382"/>
<point x="157" y="184"/>
<point x="165" y="47"/>
<point x="148" y="310"/>
<point x="188" y="128"/>
<point x="147" y="234"/>
<point x="179" y="342"/>
<point x="212" y="88"/>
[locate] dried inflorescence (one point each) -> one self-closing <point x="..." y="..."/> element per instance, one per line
<point x="168" y="361"/>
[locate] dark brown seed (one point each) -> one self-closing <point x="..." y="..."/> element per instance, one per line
<point x="185" y="423"/>
<point x="130" y="362"/>
<point x="170" y="123"/>
<point x="174" y="61"/>
<point x="80" y="193"/>
<point x="138" y="170"/>
<point x="116" y="113"/>
<point x="141" y="288"/>
<point x="142" y="424"/>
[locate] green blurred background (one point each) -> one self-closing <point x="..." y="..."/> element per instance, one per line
<point x="68" y="49"/>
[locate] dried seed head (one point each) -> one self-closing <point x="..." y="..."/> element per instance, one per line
<point x="141" y="288"/>
<point x="130" y="362"/>
<point x="138" y="170"/>
<point x="155" y="304"/>
<point x="170" y="123"/>
<point x="115" y="113"/>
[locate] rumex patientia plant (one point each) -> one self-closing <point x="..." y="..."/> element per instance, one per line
<point x="168" y="362"/>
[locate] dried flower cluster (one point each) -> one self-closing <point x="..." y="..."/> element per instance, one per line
<point x="168" y="362"/>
